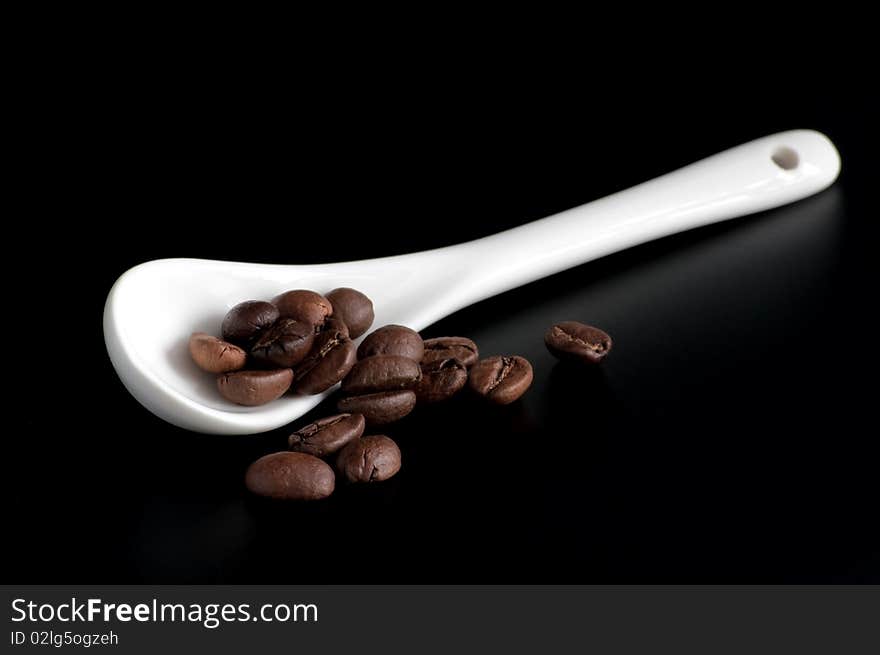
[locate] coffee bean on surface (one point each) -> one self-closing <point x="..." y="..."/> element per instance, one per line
<point x="327" y="435"/>
<point x="441" y="379"/>
<point x="369" y="459"/>
<point x="460" y="348"/>
<point x="353" y="308"/>
<point x="392" y="340"/>
<point x="215" y="355"/>
<point x="284" y="344"/>
<point x="253" y="388"/>
<point x="245" y="322"/>
<point x="332" y="356"/>
<point x="580" y="342"/>
<point x="501" y="380"/>
<point x="290" y="476"/>
<point x="382" y="373"/>
<point x="380" y="408"/>
<point x="303" y="305"/>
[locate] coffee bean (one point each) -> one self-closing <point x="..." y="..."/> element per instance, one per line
<point x="392" y="340"/>
<point x="460" y="348"/>
<point x="369" y="459"/>
<point x="501" y="379"/>
<point x="380" y="408"/>
<point x="332" y="356"/>
<point x="382" y="373"/>
<point x="327" y="435"/>
<point x="290" y="476"/>
<point x="284" y="344"/>
<point x="254" y="387"/>
<point x="215" y="355"/>
<point x="575" y="341"/>
<point x="245" y="322"/>
<point x="441" y="379"/>
<point x="303" y="305"/>
<point x="353" y="308"/>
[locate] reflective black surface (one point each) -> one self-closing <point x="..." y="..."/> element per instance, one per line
<point x="729" y="437"/>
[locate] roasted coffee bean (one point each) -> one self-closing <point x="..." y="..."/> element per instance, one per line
<point x="215" y="355"/>
<point x="369" y="459"/>
<point x="331" y="358"/>
<point x="303" y="305"/>
<point x="441" y="379"/>
<point x="254" y="387"/>
<point x="284" y="344"/>
<point x="327" y="435"/>
<point x="245" y="322"/>
<point x="353" y="308"/>
<point x="382" y="373"/>
<point x="460" y="348"/>
<point x="393" y="340"/>
<point x="501" y="379"/>
<point x="577" y="342"/>
<point x="290" y="476"/>
<point x="380" y="408"/>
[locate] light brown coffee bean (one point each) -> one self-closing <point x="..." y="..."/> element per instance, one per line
<point x="215" y="355"/>
<point x="303" y="305"/>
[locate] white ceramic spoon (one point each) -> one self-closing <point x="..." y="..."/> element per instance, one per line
<point x="152" y="308"/>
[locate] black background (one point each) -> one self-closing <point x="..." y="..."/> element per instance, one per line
<point x="729" y="437"/>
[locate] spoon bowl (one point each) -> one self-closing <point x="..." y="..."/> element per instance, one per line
<point x="152" y="308"/>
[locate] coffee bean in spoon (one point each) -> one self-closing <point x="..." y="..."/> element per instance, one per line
<point x="574" y="341"/>
<point x="392" y="340"/>
<point x="441" y="379"/>
<point x="460" y="348"/>
<point x="284" y="344"/>
<point x="245" y="322"/>
<point x="501" y="379"/>
<point x="332" y="356"/>
<point x="327" y="435"/>
<point x="382" y="373"/>
<point x="353" y="308"/>
<point x="303" y="305"/>
<point x="369" y="459"/>
<point x="253" y="388"/>
<point x="215" y="355"/>
<point x="379" y="408"/>
<point x="290" y="476"/>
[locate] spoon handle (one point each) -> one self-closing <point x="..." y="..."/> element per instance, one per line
<point x="753" y="177"/>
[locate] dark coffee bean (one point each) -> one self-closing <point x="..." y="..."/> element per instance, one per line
<point x="392" y="340"/>
<point x="460" y="348"/>
<point x="578" y="342"/>
<point x="501" y="379"/>
<point x="303" y="305"/>
<point x="327" y="435"/>
<point x="331" y="358"/>
<point x="215" y="355"/>
<point x="441" y="379"/>
<point x="353" y="308"/>
<point x="369" y="459"/>
<point x="380" y="408"/>
<point x="284" y="344"/>
<point x="290" y="476"/>
<point x="254" y="387"/>
<point x="245" y="322"/>
<point x="382" y="373"/>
